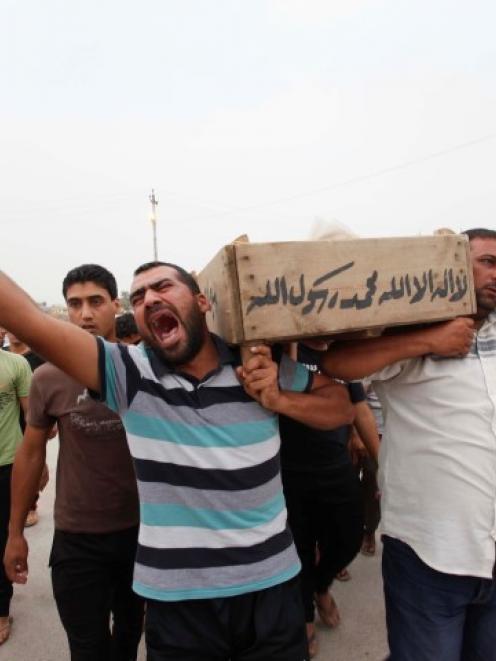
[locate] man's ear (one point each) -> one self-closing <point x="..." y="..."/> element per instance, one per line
<point x="203" y="303"/>
<point x="117" y="306"/>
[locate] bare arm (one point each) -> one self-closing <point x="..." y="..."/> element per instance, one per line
<point x="63" y="344"/>
<point x="357" y="359"/>
<point x="28" y="468"/>
<point x="356" y="448"/>
<point x="327" y="406"/>
<point x="23" y="401"/>
<point x="367" y="429"/>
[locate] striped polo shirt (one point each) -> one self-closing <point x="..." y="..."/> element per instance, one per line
<point x="206" y="455"/>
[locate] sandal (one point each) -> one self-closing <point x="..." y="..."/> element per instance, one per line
<point x="5" y="630"/>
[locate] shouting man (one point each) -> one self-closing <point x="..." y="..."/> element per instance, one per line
<point x="215" y="559"/>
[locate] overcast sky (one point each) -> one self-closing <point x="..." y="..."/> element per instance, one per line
<point x="253" y="116"/>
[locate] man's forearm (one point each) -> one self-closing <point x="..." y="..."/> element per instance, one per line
<point x="325" y="408"/>
<point x="366" y="427"/>
<point x="18" y="311"/>
<point x="26" y="473"/>
<point x="355" y="360"/>
<point x="65" y="345"/>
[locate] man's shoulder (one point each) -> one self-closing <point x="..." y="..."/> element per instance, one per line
<point x="10" y="358"/>
<point x="48" y="374"/>
<point x="13" y="364"/>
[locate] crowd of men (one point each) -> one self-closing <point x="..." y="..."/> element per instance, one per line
<point x="213" y="501"/>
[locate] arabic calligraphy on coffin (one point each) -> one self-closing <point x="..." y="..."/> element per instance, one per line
<point x="320" y="294"/>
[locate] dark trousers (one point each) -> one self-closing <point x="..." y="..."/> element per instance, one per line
<point x="433" y="616"/>
<point x="92" y="578"/>
<point x="266" y="625"/>
<point x="6" y="590"/>
<point x="337" y="529"/>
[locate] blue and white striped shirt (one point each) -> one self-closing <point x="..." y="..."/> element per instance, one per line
<point x="206" y="455"/>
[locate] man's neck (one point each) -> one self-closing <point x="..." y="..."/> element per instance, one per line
<point x="480" y="318"/>
<point x="205" y="361"/>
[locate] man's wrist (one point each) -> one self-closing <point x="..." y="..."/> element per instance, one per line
<point x="279" y="403"/>
<point x="16" y="529"/>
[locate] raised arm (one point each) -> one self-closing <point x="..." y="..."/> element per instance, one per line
<point x="357" y="359"/>
<point x="63" y="344"/>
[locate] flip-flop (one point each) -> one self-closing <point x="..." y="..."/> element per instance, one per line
<point x="5" y="631"/>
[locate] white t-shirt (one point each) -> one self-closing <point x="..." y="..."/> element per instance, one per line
<point x="438" y="456"/>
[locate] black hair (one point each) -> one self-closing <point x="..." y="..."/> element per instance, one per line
<point x="91" y="273"/>
<point x="480" y="233"/>
<point x="125" y="325"/>
<point x="185" y="277"/>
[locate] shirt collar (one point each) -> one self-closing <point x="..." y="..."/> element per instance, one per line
<point x="227" y="355"/>
<point x="489" y="321"/>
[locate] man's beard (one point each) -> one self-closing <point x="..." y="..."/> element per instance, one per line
<point x="193" y="325"/>
<point x="485" y="303"/>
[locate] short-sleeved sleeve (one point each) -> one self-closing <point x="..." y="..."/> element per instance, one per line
<point x="294" y="376"/>
<point x="117" y="373"/>
<point x="37" y="415"/>
<point x="23" y="378"/>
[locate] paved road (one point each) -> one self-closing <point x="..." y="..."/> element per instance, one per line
<point x="37" y="634"/>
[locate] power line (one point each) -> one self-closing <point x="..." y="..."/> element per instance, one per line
<point x="359" y="178"/>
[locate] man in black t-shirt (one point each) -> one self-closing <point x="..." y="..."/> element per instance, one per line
<point x="323" y="496"/>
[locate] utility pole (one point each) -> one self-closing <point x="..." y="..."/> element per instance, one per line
<point x="153" y="219"/>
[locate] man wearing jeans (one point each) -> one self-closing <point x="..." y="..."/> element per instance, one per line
<point x="438" y="474"/>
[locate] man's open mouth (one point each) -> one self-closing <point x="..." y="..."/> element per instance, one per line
<point x="165" y="326"/>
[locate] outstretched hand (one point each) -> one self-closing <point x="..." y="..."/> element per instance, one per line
<point x="259" y="377"/>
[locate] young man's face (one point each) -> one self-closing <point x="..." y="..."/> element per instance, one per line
<point x="168" y="315"/>
<point x="483" y="253"/>
<point x="90" y="307"/>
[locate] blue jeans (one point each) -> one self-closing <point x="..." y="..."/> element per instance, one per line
<point x="432" y="616"/>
